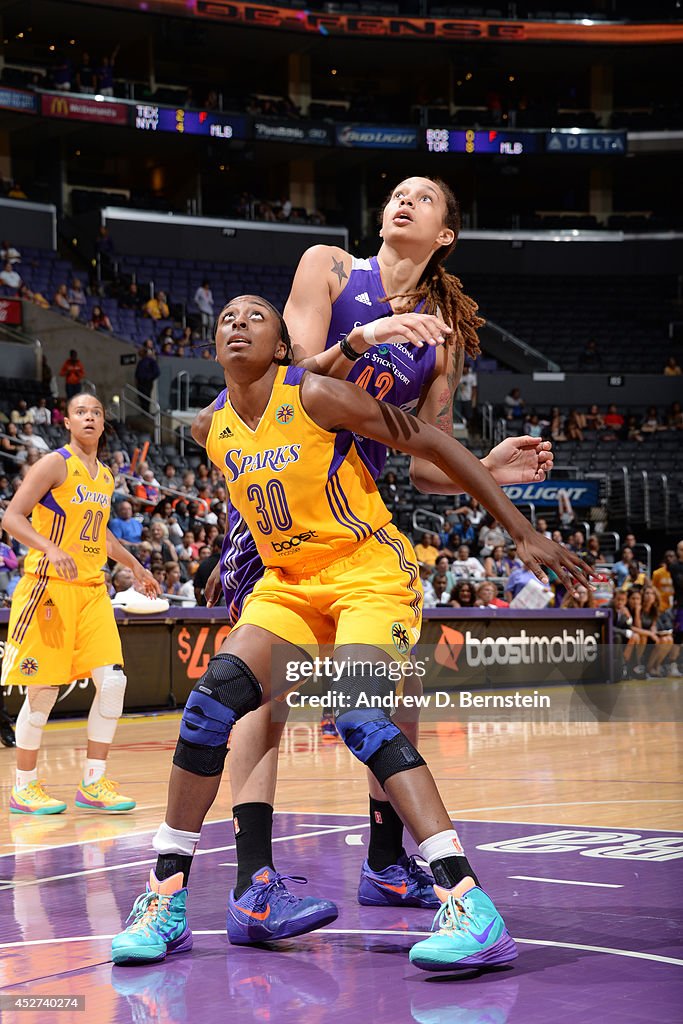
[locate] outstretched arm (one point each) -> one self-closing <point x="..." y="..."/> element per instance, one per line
<point x="338" y="405"/>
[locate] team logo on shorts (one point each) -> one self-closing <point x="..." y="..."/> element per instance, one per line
<point x="285" y="413"/>
<point x="28" y="667"/>
<point x="399" y="634"/>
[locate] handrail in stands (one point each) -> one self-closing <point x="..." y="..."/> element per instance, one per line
<point x="154" y="416"/>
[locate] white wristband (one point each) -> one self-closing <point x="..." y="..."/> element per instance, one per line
<point x="369" y="333"/>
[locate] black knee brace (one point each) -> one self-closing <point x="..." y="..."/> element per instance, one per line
<point x="227" y="691"/>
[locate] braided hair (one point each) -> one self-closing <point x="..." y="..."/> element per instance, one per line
<point x="440" y="291"/>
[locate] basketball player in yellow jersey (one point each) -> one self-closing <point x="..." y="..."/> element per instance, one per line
<point x="62" y="623"/>
<point x="337" y="572"/>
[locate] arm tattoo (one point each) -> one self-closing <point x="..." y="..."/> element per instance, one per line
<point x="444" y="417"/>
<point x="338" y="269"/>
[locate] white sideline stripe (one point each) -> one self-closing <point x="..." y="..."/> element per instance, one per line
<point x="380" y="931"/>
<point x="453" y="814"/>
<point x="566" y="881"/>
<point x="328" y="830"/>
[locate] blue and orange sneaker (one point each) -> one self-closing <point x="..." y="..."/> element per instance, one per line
<point x="103" y="795"/>
<point x="328" y="730"/>
<point x="267" y="910"/>
<point x="404" y="884"/>
<point x="33" y="799"/>
<point x="159" y="925"/>
<point x="468" y="932"/>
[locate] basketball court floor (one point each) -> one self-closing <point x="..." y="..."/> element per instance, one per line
<point x="576" y="830"/>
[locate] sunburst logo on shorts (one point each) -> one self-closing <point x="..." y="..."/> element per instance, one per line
<point x="399" y="634"/>
<point x="28" y="667"/>
<point x="285" y="413"/>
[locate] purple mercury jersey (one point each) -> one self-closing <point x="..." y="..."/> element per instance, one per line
<point x="395" y="373"/>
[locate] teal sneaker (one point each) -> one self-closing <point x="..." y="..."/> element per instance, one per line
<point x="159" y="924"/>
<point x="468" y="932"/>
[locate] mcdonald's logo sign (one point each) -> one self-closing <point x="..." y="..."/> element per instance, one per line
<point x="59" y="106"/>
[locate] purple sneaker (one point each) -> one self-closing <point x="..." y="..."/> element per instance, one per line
<point x="268" y="911"/>
<point x="468" y="932"/>
<point x="404" y="884"/>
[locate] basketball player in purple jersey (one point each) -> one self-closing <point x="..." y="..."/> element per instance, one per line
<point x="332" y="293"/>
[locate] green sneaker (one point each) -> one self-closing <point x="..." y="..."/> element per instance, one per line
<point x="159" y="924"/>
<point x="469" y="932"/>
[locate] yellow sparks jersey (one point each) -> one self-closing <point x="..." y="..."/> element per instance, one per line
<point x="304" y="492"/>
<point x="74" y="516"/>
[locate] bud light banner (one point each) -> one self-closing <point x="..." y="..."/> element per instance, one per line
<point x="376" y="136"/>
<point x="582" y="493"/>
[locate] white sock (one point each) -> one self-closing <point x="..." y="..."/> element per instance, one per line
<point x="93" y="771"/>
<point x="443" y="844"/>
<point x="174" y="840"/>
<point x="24" y="778"/>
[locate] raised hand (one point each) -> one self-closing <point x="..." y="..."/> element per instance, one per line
<point x="520" y="460"/>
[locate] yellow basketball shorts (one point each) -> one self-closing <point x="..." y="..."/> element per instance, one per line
<point x="371" y="597"/>
<point x="58" y="632"/>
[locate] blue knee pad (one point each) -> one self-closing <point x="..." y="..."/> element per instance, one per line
<point x="227" y="691"/>
<point x="365" y="730"/>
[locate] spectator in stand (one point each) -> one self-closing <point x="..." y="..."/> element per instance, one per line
<point x="73" y="373"/>
<point x="158" y="538"/>
<point x="517" y="581"/>
<point x="652" y="422"/>
<point x="203" y="300"/>
<point x="147" y="490"/>
<point x="157" y="307"/>
<point x="122" y="578"/>
<point x="62" y="73"/>
<point x="181" y="351"/>
<point x="442" y="594"/>
<point x="59" y="412"/>
<point x="490" y="538"/>
<point x="8" y="562"/>
<point x="40" y="414"/>
<point x="8" y="254"/>
<point x="443" y="568"/>
<point x="426" y="550"/>
<point x="105" y="73"/>
<point x="16" y="192"/>
<point x="85" y="76"/>
<point x="644" y="609"/>
<point x="77" y="298"/>
<point x="557" y="424"/>
<point x="584" y="599"/>
<point x="495" y="564"/>
<point x="576" y="423"/>
<point x="672" y="369"/>
<point x="576" y="542"/>
<point x="635" y="577"/>
<point x="22" y="414"/>
<point x="613" y="419"/>
<point x="32" y="440"/>
<point x="206" y="567"/>
<point x="533" y="426"/>
<point x="61" y="299"/>
<point x="514" y="405"/>
<point x="633" y="432"/>
<point x="594" y="419"/>
<point x="511" y="560"/>
<point x="467" y="393"/>
<point x="593" y="548"/>
<point x="170" y="474"/>
<point x="146" y="372"/>
<point x="542" y="528"/>
<point x="10" y="277"/>
<point x="36" y="298"/>
<point x="176" y="588"/>
<point x="590" y="359"/>
<point x="99" y="321"/>
<point x="620" y="568"/>
<point x="663" y="583"/>
<point x="131" y="298"/>
<point x="465" y="565"/>
<point x="630" y="541"/>
<point x="487" y="596"/>
<point x="463" y="595"/>
<point x="429" y="597"/>
<point x="675" y="417"/>
<point x="388" y="488"/>
<point x="167" y="349"/>
<point x="206" y="353"/>
<point x="124" y="527"/>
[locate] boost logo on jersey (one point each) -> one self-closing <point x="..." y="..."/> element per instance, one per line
<point x="291" y="543"/>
